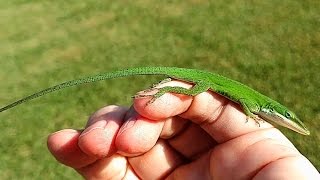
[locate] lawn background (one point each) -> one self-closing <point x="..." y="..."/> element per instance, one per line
<point x="272" y="46"/>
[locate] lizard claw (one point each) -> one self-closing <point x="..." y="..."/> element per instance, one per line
<point x="144" y="94"/>
<point x="256" y="118"/>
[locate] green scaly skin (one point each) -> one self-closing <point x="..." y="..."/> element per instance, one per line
<point x="254" y="104"/>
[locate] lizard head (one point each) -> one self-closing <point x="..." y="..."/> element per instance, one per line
<point x="284" y="117"/>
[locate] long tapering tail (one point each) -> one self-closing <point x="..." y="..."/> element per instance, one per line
<point x="94" y="78"/>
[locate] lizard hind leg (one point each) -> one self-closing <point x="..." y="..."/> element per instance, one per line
<point x="153" y="87"/>
<point x="149" y="92"/>
<point x="161" y="82"/>
<point x="196" y="89"/>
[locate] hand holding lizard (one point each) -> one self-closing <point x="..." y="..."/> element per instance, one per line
<point x="179" y="137"/>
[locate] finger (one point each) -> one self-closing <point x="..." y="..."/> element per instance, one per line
<point x="192" y="142"/>
<point x="300" y="168"/>
<point x="246" y="156"/>
<point x="239" y="158"/>
<point x="98" y="138"/>
<point x="113" y="167"/>
<point x="226" y="122"/>
<point x="64" y="147"/>
<point x="167" y="105"/>
<point x="221" y="118"/>
<point x="157" y="163"/>
<point x="111" y="112"/>
<point x="187" y="138"/>
<point x="198" y="169"/>
<point x="173" y="126"/>
<point x="137" y="135"/>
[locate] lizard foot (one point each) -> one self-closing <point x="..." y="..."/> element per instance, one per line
<point x="161" y="82"/>
<point x="256" y="118"/>
<point x="146" y="93"/>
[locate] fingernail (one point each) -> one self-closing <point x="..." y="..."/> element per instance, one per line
<point x="98" y="125"/>
<point x="127" y="125"/>
<point x="70" y="131"/>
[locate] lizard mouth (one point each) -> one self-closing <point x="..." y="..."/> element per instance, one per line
<point x="295" y="125"/>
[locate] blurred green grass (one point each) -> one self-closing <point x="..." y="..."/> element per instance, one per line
<point x="273" y="46"/>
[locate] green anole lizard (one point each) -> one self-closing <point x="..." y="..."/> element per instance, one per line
<point x="254" y="104"/>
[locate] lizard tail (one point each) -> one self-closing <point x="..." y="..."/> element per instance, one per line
<point x="109" y="75"/>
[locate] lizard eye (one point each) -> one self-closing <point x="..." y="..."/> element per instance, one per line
<point x="288" y="115"/>
<point x="271" y="110"/>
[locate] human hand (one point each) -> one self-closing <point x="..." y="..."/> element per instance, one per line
<point x="179" y="137"/>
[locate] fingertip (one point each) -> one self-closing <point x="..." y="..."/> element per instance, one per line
<point x="60" y="139"/>
<point x="97" y="140"/>
<point x="167" y="105"/>
<point x="113" y="167"/>
<point x="63" y="145"/>
<point x="137" y="135"/>
<point x="164" y="160"/>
